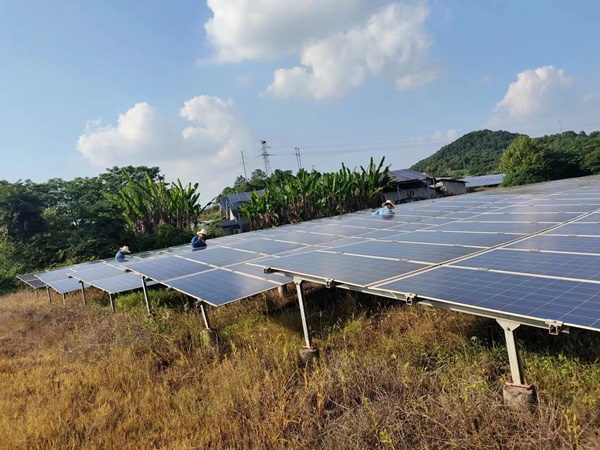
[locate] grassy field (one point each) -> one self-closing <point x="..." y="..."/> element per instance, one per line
<point x="389" y="377"/>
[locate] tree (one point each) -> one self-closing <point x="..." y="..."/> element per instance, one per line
<point x="524" y="152"/>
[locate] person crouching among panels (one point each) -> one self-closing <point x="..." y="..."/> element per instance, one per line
<point x="120" y="256"/>
<point x="386" y="209"/>
<point x="199" y="241"/>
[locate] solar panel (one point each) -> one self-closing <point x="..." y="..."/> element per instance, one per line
<point x="457" y="237"/>
<point x="572" y="302"/>
<point x="347" y="269"/>
<point x="122" y="283"/>
<point x="220" y="286"/>
<point x="307" y="238"/>
<point x="582" y="228"/>
<point x="221" y="257"/>
<point x="267" y="246"/>
<point x="96" y="272"/>
<point x="66" y="285"/>
<point x="483" y="180"/>
<point x="574" y="244"/>
<point x="433" y="254"/>
<point x="258" y="272"/>
<point x="565" y="265"/>
<point x="551" y="208"/>
<point x="591" y="218"/>
<point x="57" y="274"/>
<point x="532" y="216"/>
<point x="495" y="227"/>
<point x="31" y="280"/>
<point x="167" y="267"/>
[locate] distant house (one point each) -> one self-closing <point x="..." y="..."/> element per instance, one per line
<point x="449" y="186"/>
<point x="475" y="183"/>
<point x="233" y="222"/>
<point x="409" y="186"/>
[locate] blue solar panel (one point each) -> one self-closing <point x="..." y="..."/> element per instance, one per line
<point x="591" y="218"/>
<point x="566" y="265"/>
<point x="532" y="216"/>
<point x="267" y="246"/>
<point x="582" y="228"/>
<point x="411" y="227"/>
<point x="337" y="230"/>
<point x="219" y="286"/>
<point x="56" y="274"/>
<point x="307" y="238"/>
<point x="258" y="271"/>
<point x="121" y="283"/>
<point x="32" y="281"/>
<point x="572" y="302"/>
<point x="66" y="285"/>
<point x="456" y="237"/>
<point x="494" y="227"/>
<point x="167" y="267"/>
<point x="96" y="272"/>
<point x="574" y="244"/>
<point x="433" y="254"/>
<point x="221" y="257"/>
<point x="347" y="269"/>
<point x="380" y="234"/>
<point x="550" y="208"/>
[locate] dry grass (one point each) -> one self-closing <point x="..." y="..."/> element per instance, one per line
<point x="389" y="377"/>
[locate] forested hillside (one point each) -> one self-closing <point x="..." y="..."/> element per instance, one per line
<point x="479" y="153"/>
<point x="475" y="153"/>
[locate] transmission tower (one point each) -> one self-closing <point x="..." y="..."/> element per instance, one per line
<point x="265" y="154"/>
<point x="244" y="164"/>
<point x="298" y="159"/>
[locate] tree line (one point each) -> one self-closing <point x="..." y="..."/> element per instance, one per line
<point x="45" y="225"/>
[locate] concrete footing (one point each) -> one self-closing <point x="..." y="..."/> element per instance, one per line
<point x="209" y="337"/>
<point x="519" y="395"/>
<point x="308" y="354"/>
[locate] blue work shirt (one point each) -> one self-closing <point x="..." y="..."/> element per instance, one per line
<point x="198" y="242"/>
<point x="383" y="211"/>
<point x="120" y="256"/>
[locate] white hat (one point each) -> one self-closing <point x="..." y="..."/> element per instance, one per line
<point x="389" y="202"/>
<point x="125" y="249"/>
<point x="202" y="231"/>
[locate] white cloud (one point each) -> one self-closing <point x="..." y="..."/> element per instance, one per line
<point x="243" y="30"/>
<point x="534" y="91"/>
<point x="205" y="151"/>
<point x="341" y="44"/>
<point x="536" y="103"/>
<point x="391" y="45"/>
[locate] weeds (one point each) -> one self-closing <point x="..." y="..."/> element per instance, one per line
<point x="389" y="377"/>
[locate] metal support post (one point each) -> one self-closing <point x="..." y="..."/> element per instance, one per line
<point x="300" y="291"/>
<point x="516" y="370"/>
<point x="48" y="292"/>
<point x="112" y="303"/>
<point x="64" y="298"/>
<point x="83" y="293"/>
<point x="145" y="289"/>
<point x="204" y="316"/>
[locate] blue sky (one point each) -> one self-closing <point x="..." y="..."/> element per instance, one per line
<point x="189" y="85"/>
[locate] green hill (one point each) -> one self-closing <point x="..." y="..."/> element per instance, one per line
<point x="476" y="153"/>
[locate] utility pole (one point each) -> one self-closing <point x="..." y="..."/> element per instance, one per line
<point x="298" y="159"/>
<point x="244" y="165"/>
<point x="265" y="154"/>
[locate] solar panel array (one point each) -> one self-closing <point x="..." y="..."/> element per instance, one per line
<point x="530" y="254"/>
<point x="526" y="253"/>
